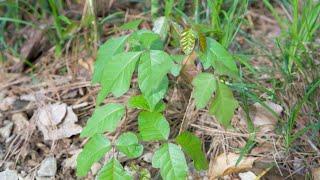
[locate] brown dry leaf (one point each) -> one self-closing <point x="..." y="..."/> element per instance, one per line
<point x="189" y="69"/>
<point x="225" y="164"/>
<point x="57" y="121"/>
<point x="262" y="118"/>
<point x="316" y="173"/>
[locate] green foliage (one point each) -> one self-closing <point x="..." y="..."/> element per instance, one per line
<point x="139" y="102"/>
<point x="128" y="144"/>
<point x="104" y="118"/>
<point x="106" y="51"/>
<point x="113" y="171"/>
<point x="204" y="85"/>
<point x="153" y="126"/>
<point x="171" y="161"/>
<point x="117" y="77"/>
<point x="223" y="105"/>
<point x="92" y="152"/>
<point x="132" y="25"/>
<point x="191" y="145"/>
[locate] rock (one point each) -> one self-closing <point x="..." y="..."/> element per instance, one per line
<point x="5" y="131"/>
<point x="20" y="122"/>
<point x="9" y="175"/>
<point x="7" y="103"/>
<point x="48" y="167"/>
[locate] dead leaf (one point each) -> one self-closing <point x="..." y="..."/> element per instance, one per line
<point x="316" y="173"/>
<point x="189" y="69"/>
<point x="225" y="164"/>
<point x="261" y="117"/>
<point x="57" y="121"/>
<point x="72" y="161"/>
<point x="247" y="176"/>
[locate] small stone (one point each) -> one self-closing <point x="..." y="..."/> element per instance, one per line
<point x="48" y="167"/>
<point x="9" y="175"/>
<point x="20" y="122"/>
<point x="95" y="168"/>
<point x="5" y="131"/>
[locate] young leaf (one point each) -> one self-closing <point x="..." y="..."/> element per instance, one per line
<point x="187" y="41"/>
<point x="222" y="60"/>
<point x="132" y="25"/>
<point x="191" y="145"/>
<point x="106" y="51"/>
<point x="104" y="118"/>
<point x="154" y="66"/>
<point x="171" y="161"/>
<point x="155" y="96"/>
<point x="117" y="77"/>
<point x="92" y="152"/>
<point x="153" y="126"/>
<point x="113" y="171"/>
<point x="223" y="105"/>
<point x="140" y="102"/>
<point x="204" y="85"/>
<point x="147" y="39"/>
<point x="161" y="27"/>
<point x="128" y="144"/>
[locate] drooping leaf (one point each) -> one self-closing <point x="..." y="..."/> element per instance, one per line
<point x="117" y="76"/>
<point x="222" y="61"/>
<point x="191" y="145"/>
<point x="132" y="25"/>
<point x="106" y="51"/>
<point x="161" y="27"/>
<point x="128" y="144"/>
<point x="153" y="67"/>
<point x="154" y="97"/>
<point x="171" y="161"/>
<point x="113" y="170"/>
<point x="202" y="42"/>
<point x="204" y="85"/>
<point x="223" y="105"/>
<point x="140" y="102"/>
<point x="187" y="41"/>
<point x="153" y="126"/>
<point x="104" y="118"/>
<point x="92" y="152"/>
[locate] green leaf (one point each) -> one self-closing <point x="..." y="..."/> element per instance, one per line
<point x="104" y="118"/>
<point x="161" y="27"/>
<point x="153" y="67"/>
<point x="187" y="41"/>
<point x="106" y="51"/>
<point x="153" y="126"/>
<point x="204" y="85"/>
<point x="171" y="161"/>
<point x="113" y="171"/>
<point x="117" y="76"/>
<point x="128" y="144"/>
<point x="147" y="39"/>
<point x="156" y="95"/>
<point x="223" y="105"/>
<point x="222" y="60"/>
<point x="140" y="102"/>
<point x="191" y="145"/>
<point x="132" y="25"/>
<point x="92" y="152"/>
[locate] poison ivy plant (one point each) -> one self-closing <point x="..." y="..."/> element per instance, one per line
<point x="141" y="55"/>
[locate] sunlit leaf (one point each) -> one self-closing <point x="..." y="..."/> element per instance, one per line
<point x="92" y="152"/>
<point x="128" y="144"/>
<point x="187" y="41"/>
<point x="104" y="118"/>
<point x="204" y="86"/>
<point x="113" y="171"/>
<point x="171" y="161"/>
<point x="153" y="126"/>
